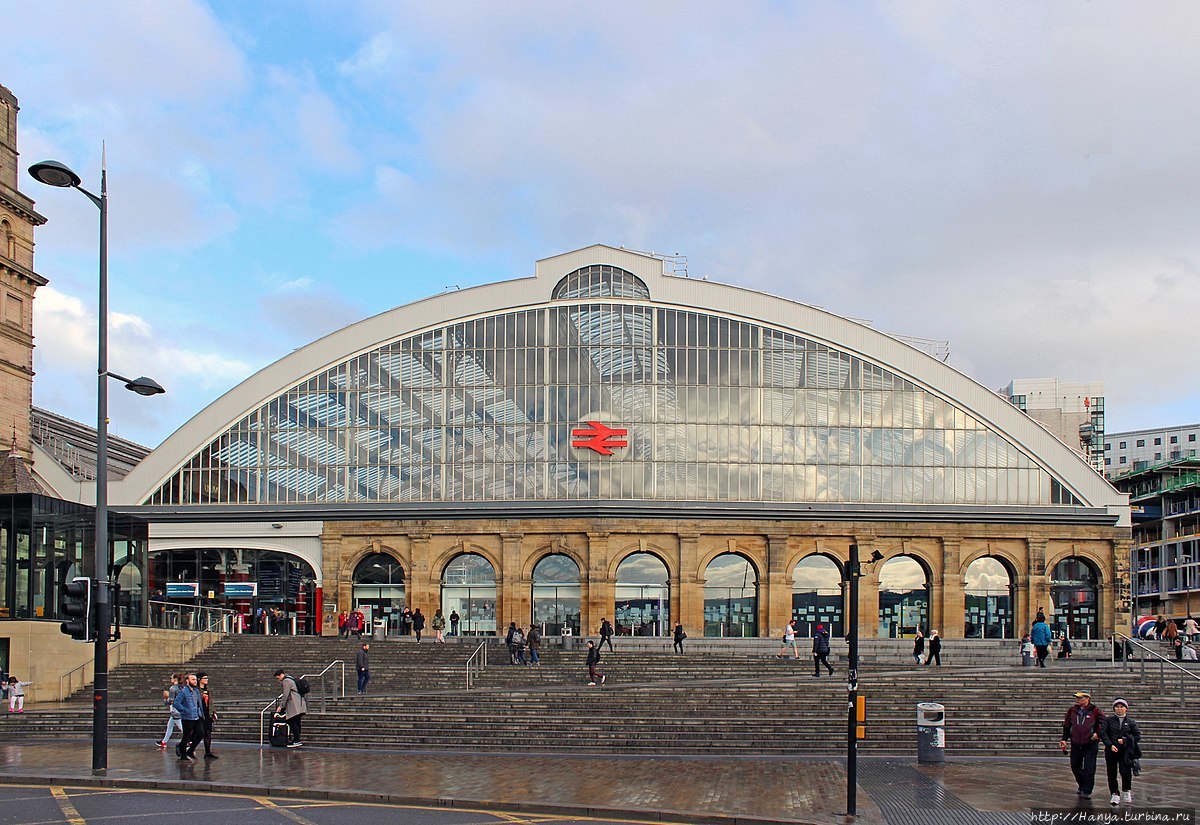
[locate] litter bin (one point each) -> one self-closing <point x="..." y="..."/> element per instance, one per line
<point x="381" y="629"/>
<point x="931" y="732"/>
<point x="568" y="640"/>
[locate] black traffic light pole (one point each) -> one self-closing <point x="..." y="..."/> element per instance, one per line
<point x="853" y="574"/>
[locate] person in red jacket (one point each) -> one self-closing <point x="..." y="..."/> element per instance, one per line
<point x="1081" y="730"/>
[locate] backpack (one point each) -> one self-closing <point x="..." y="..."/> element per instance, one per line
<point x="302" y="685"/>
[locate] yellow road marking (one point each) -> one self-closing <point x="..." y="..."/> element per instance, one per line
<point x="288" y="812"/>
<point x="65" y="805"/>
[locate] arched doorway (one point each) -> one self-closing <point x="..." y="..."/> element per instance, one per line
<point x="556" y="595"/>
<point x="731" y="597"/>
<point x="903" y="597"/>
<point x="642" y="602"/>
<point x="1074" y="598"/>
<point x="469" y="589"/>
<point x="379" y="590"/>
<point x="817" y="595"/>
<point x="988" y="603"/>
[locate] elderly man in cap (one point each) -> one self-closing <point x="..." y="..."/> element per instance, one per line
<point x="1081" y="730"/>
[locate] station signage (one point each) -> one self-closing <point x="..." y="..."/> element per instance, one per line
<point x="183" y="590"/>
<point x="599" y="437"/>
<point x="241" y="590"/>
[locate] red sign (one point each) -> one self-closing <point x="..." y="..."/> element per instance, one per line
<point x="598" y="437"/>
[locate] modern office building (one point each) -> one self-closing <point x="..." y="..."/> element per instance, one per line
<point x="1165" y="500"/>
<point x="1137" y="450"/>
<point x="608" y="439"/>
<point x="1073" y="411"/>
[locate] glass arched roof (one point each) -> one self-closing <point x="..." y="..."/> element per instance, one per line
<point x="500" y="407"/>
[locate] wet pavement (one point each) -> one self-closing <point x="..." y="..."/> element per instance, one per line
<point x="678" y="789"/>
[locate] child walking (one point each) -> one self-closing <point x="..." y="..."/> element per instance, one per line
<point x="16" y="695"/>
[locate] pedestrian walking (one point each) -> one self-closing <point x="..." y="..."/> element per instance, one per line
<point x="439" y="626"/>
<point x="1122" y="748"/>
<point x="820" y="651"/>
<point x="208" y="717"/>
<point x="1190" y="628"/>
<point x="1040" y="635"/>
<point x="534" y="641"/>
<point x="362" y="666"/>
<point x="406" y="620"/>
<point x="508" y="640"/>
<point x="454" y="620"/>
<point x="418" y="623"/>
<point x="606" y="633"/>
<point x="1171" y="635"/>
<point x="518" y="645"/>
<point x="343" y="625"/>
<point x="188" y="702"/>
<point x="357" y="622"/>
<point x="789" y="640"/>
<point x="293" y="705"/>
<point x="1189" y="652"/>
<point x="935" y="649"/>
<point x="679" y="637"/>
<point x="1160" y="627"/>
<point x="919" y="647"/>
<point x="16" y="694"/>
<point x="1081" y="735"/>
<point x="174" y="720"/>
<point x="593" y="659"/>
<point x="1064" y="646"/>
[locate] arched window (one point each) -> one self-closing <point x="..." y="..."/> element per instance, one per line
<point x="601" y="281"/>
<point x="903" y="597"/>
<point x="6" y="240"/>
<point x="817" y="595"/>
<point x="988" y="600"/>
<point x="556" y="594"/>
<point x="379" y="589"/>
<point x="642" y="606"/>
<point x="731" y="597"/>
<point x="469" y="589"/>
<point x="1073" y="597"/>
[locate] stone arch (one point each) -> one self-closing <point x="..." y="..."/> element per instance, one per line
<point x="756" y="559"/>
<point x="615" y="560"/>
<point x="1002" y="555"/>
<point x="352" y="562"/>
<point x="438" y="567"/>
<point x="7" y="239"/>
<point x="1082" y="552"/>
<point x="555" y="548"/>
<point x="790" y="566"/>
<point x="929" y="564"/>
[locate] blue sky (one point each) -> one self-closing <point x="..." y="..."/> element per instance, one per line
<point x="1018" y="179"/>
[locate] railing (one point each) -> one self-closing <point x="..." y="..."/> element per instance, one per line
<point x="1127" y="645"/>
<point x="174" y="616"/>
<point x="477" y="662"/>
<point x="193" y="645"/>
<point x="118" y="654"/>
<point x="274" y="703"/>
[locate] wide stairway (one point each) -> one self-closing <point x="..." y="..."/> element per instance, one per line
<point x="719" y="699"/>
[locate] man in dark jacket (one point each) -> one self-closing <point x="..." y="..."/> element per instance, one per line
<point x="820" y="651"/>
<point x="209" y="715"/>
<point x="593" y="659"/>
<point x="362" y="665"/>
<point x="1081" y="731"/>
<point x="935" y="649"/>
<point x="606" y="633"/>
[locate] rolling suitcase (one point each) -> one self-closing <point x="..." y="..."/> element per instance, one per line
<point x="279" y="730"/>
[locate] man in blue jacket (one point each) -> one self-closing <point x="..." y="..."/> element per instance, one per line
<point x="1039" y="634"/>
<point x="189" y="703"/>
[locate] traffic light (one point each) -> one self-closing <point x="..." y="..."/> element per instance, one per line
<point x="76" y="609"/>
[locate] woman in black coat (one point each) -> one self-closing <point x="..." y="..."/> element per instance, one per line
<point x="1120" y="735"/>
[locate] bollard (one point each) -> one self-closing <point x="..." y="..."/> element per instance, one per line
<point x="931" y="732"/>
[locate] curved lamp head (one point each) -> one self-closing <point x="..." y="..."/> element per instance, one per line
<point x="145" y="386"/>
<point x="53" y="173"/>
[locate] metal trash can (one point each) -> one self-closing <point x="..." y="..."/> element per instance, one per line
<point x="381" y="629"/>
<point x="931" y="732"/>
<point x="568" y="639"/>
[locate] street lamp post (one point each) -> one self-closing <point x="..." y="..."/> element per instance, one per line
<point x="53" y="173"/>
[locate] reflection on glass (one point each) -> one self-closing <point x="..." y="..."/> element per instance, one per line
<point x="379" y="584"/>
<point x="903" y="598"/>
<point x="988" y="600"/>
<point x="1073" y="598"/>
<point x="556" y="595"/>
<point x="469" y="587"/>
<point x="642" y="603"/>
<point x="817" y="595"/>
<point x="730" y="597"/>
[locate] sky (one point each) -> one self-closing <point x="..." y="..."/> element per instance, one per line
<point x="1019" y="179"/>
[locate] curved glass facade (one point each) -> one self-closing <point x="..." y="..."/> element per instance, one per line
<point x="715" y="408"/>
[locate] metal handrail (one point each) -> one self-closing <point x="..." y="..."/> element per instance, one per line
<point x="274" y="703"/>
<point x="477" y="661"/>
<point x="122" y="656"/>
<point x="1163" y="661"/>
<point x="203" y="617"/>
<point x="187" y="647"/>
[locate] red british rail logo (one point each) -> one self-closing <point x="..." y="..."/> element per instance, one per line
<point x="598" y="437"/>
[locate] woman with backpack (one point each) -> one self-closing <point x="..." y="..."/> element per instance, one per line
<point x="439" y="626"/>
<point x="518" y="645"/>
